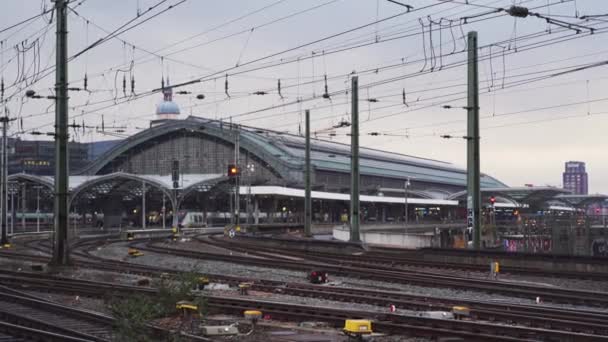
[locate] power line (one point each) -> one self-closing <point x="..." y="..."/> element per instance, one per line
<point x="121" y="29"/>
<point x="147" y="94"/>
<point x="25" y="21"/>
<point x="207" y="31"/>
<point x="126" y="101"/>
<point x="197" y="80"/>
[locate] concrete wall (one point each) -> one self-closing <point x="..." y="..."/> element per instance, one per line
<point x="388" y="238"/>
<point x="523" y="262"/>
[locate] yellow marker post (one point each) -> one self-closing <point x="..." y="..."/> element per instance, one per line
<point x="244" y="288"/>
<point x="252" y="315"/>
<point x="461" y="311"/>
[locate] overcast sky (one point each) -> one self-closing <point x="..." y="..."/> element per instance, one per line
<point x="534" y="116"/>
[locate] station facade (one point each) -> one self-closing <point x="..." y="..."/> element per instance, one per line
<point x="271" y="176"/>
<point x="180" y="166"/>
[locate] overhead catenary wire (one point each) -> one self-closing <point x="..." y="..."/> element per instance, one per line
<point x="110" y="106"/>
<point x="10" y="27"/>
<point x="51" y="69"/>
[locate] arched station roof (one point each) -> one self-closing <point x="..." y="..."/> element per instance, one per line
<point x="79" y="184"/>
<point x="284" y="153"/>
<point x="46" y="181"/>
<point x="215" y="129"/>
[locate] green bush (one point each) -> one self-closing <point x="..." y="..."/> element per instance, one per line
<point x="134" y="312"/>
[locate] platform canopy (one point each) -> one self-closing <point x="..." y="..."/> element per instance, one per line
<point x="292" y="192"/>
<point x="534" y="195"/>
<point x="581" y="201"/>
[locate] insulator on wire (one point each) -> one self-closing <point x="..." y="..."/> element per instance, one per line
<point x="132" y="84"/>
<point x="404" y="100"/>
<point x="162" y="82"/>
<point x="74" y="126"/>
<point x="260" y="93"/>
<point x="2" y="87"/>
<point x="518" y="11"/>
<point x="86" y="82"/>
<point x="326" y="93"/>
<point x="279" y="88"/>
<point x="374" y="133"/>
<point x="226" y="86"/>
<point x="103" y="123"/>
<point x="124" y="85"/>
<point x="83" y="126"/>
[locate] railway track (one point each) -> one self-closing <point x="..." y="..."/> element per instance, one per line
<point x="401" y="324"/>
<point x="65" y="321"/>
<point x="575" y="320"/>
<point x="388" y="323"/>
<point x="568" y="296"/>
<point x="414" y="258"/>
<point x="583" y="323"/>
<point x="559" y="319"/>
<point x="552" y="294"/>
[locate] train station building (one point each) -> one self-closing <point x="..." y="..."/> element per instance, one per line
<point x="271" y="176"/>
<point x="180" y="165"/>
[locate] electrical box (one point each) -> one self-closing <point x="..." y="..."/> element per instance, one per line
<point x="219" y="330"/>
<point x="357" y="326"/>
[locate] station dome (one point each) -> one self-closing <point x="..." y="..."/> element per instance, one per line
<point x="167" y="109"/>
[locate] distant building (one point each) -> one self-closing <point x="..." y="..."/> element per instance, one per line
<point x="575" y="178"/>
<point x="37" y="157"/>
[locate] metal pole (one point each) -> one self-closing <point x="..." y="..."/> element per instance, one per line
<point x="74" y="219"/>
<point x="473" y="173"/>
<point x="12" y="212"/>
<point x="354" y="163"/>
<point x="61" y="247"/>
<point x="38" y="209"/>
<point x="249" y="201"/>
<point x="23" y="207"/>
<point x="237" y="204"/>
<point x="4" y="176"/>
<point x="406" y="186"/>
<point x="231" y="204"/>
<point x="307" y="199"/>
<point x="164" y="211"/>
<point x="143" y="205"/>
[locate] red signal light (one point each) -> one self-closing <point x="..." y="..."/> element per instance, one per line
<point x="233" y="170"/>
<point x="492" y="199"/>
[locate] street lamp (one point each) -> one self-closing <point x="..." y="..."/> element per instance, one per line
<point x="37" y="187"/>
<point x="406" y="186"/>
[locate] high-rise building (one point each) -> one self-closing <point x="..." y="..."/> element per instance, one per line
<point x="575" y="178"/>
